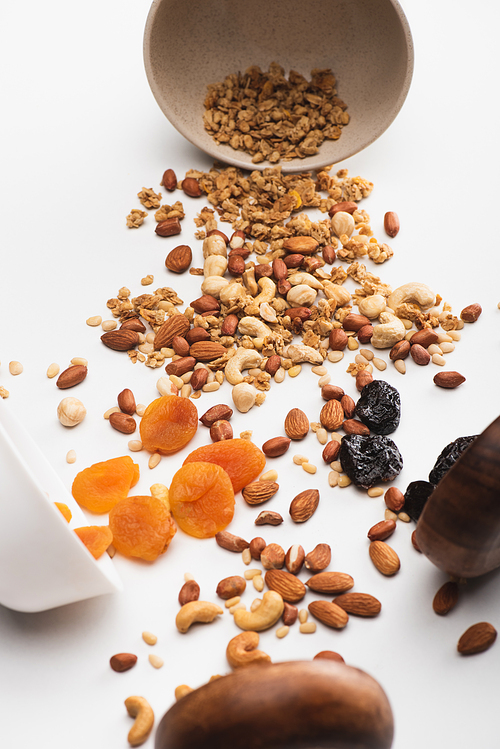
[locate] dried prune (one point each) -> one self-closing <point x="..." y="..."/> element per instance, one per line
<point x="369" y="459"/>
<point x="379" y="407"/>
<point x="416" y="495"/>
<point x="448" y="457"/>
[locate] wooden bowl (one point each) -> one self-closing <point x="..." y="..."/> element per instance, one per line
<point x="367" y="44"/>
<point x="459" y="528"/>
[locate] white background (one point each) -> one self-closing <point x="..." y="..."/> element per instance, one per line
<point x="81" y="134"/>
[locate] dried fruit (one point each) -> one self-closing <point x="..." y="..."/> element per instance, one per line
<point x="96" y="538"/>
<point x="477" y="638"/>
<point x="142" y="527"/>
<point x="369" y="459"/>
<point x="201" y="499"/>
<point x="304" y="505"/>
<point x="416" y="495"/>
<point x="448" y="457"/>
<point x="241" y="459"/>
<point x="168" y="424"/>
<point x="379" y="407"/>
<point x="100" y="486"/>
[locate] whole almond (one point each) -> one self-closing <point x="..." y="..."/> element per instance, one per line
<point x="394" y="499"/>
<point x="331" y="391"/>
<point x="424" y="337"/>
<point x="302" y="245"/>
<point x="294" y="559"/>
<point x="280" y="271"/>
<point x="169" y="180"/>
<point x="276" y="446"/>
<point x="191" y="187"/>
<point x="122" y="661"/>
<point x="400" y="350"/>
<point x="126" y="402"/>
<point x="448" y="379"/>
<point x="217" y="412"/>
<point x="169" y="227"/>
<point x="229" y="325"/>
<point x="329" y="255"/>
<point x="177" y="325"/>
<point x="259" y="492"/>
<point x="353" y="426"/>
<point x="355" y="322"/>
<point x="205" y="303"/>
<point x="221" y="430"/>
<point x="319" y="558"/>
<point x="290" y="614"/>
<point x="329" y="613"/>
<point x="337" y="339"/>
<point x="365" y="334"/>
<point x="122" y="422"/>
<point x="391" y="223"/>
<point x="347" y="206"/>
<point x="272" y="557"/>
<point x="207" y="350"/>
<point x="471" y="313"/>
<point x="359" y="604"/>
<point x="296" y="424"/>
<point x="304" y="505"/>
<point x="235" y="265"/>
<point x="290" y="588"/>
<point x="231" y="542"/>
<point x="273" y="364"/>
<point x="257" y="544"/>
<point x="420" y="355"/>
<point x="477" y="638"/>
<point x="331" y="451"/>
<point x="230" y="587"/>
<point x="384" y="558"/>
<point x="179" y="259"/>
<point x="267" y="517"/>
<point x="133" y="324"/>
<point x="71" y="376"/>
<point x="197" y="334"/>
<point x="190" y="591"/>
<point x="446" y="598"/>
<point x="331" y="415"/>
<point x="181" y="366"/>
<point x="382" y="530"/>
<point x="120" y="340"/>
<point x="348" y="405"/>
<point x="330" y="582"/>
<point x="180" y="346"/>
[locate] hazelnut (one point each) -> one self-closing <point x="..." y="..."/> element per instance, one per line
<point x="71" y="411"/>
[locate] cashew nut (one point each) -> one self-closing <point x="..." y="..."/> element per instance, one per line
<point x="231" y="293"/>
<point x="268" y="290"/>
<point x="264" y="616"/>
<point x="249" y="281"/>
<point x="390" y="331"/>
<point x="301" y="296"/>
<point x="141" y="710"/>
<point x="244" y="396"/>
<point x="214" y="265"/>
<point x="299" y="353"/>
<point x="214" y="245"/>
<point x="196" y="611"/>
<point x="412" y="293"/>
<point x="213" y="285"/>
<point x="241" y="650"/>
<point x="339" y="293"/>
<point x="254" y="327"/>
<point x="243" y="358"/>
<point x="372" y="306"/>
<point x="297" y="278"/>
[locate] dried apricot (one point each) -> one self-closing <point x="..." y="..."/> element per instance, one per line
<point x="241" y="459"/>
<point x="201" y="499"/>
<point x="64" y="510"/>
<point x="99" y="487"/>
<point x="142" y="527"/>
<point x="168" y="424"/>
<point x="96" y="538"/>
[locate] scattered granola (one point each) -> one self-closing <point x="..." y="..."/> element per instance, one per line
<point x="136" y="218"/>
<point x="149" y="198"/>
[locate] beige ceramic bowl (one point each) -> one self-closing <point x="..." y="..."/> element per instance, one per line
<point x="367" y="43"/>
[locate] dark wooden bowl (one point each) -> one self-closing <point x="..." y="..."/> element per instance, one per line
<point x="459" y="528"/>
<point x="296" y="705"/>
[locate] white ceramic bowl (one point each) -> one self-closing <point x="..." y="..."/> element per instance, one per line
<point x="44" y="564"/>
<point x="367" y="43"/>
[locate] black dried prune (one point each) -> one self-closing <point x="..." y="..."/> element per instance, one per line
<point x="379" y="407"/>
<point x="416" y="495"/>
<point x="369" y="459"/>
<point x="448" y="457"/>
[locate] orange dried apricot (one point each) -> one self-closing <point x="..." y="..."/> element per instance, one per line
<point x="100" y="486"/>
<point x="142" y="527"/>
<point x="168" y="424"/>
<point x="241" y="459"/>
<point x="201" y="499"/>
<point x="64" y="510"/>
<point x="96" y="538"/>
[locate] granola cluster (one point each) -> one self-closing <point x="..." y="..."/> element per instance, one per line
<point x="272" y="117"/>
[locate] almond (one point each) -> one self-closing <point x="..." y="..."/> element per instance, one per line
<point x="477" y="638"/>
<point x="296" y="424"/>
<point x="231" y="587"/>
<point x="220" y="430"/>
<point x="290" y="588"/>
<point x="120" y="340"/>
<point x="191" y="187"/>
<point x="330" y="582"/>
<point x="272" y="557"/>
<point x="338" y="339"/>
<point x="205" y="303"/>
<point x="446" y="598"/>
<point x="348" y="405"/>
<point x="217" y="412"/>
<point x="229" y="325"/>
<point x="190" y="591"/>
<point x="355" y="322"/>
<point x="122" y="422"/>
<point x="276" y="446"/>
<point x="448" y="379"/>
<point x="169" y="227"/>
<point x="304" y="505"/>
<point x="381" y="531"/>
<point x="259" y="491"/>
<point x="273" y="364"/>
<point x="197" y="334"/>
<point x="169" y="180"/>
<point x="384" y="558"/>
<point x="207" y="350"/>
<point x="231" y="542"/>
<point x="294" y="559"/>
<point x="400" y="350"/>
<point x="424" y="337"/>
<point x="331" y="451"/>
<point x="302" y="245"/>
<point x="347" y="206"/>
<point x="126" y="402"/>
<point x="359" y="604"/>
<point x="471" y="313"/>
<point x="177" y="325"/>
<point x="329" y="614"/>
<point x="71" y="376"/>
<point x="420" y="355"/>
<point x="133" y="324"/>
<point x="180" y="346"/>
<point x="179" y="259"/>
<point x="394" y="499"/>
<point x="266" y="517"/>
<point x="332" y="415"/>
<point x="122" y="661"/>
<point x="181" y="366"/>
<point x="353" y="426"/>
<point x="391" y="223"/>
<point x="319" y="558"/>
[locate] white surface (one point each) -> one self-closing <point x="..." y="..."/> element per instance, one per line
<point x="81" y="135"/>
